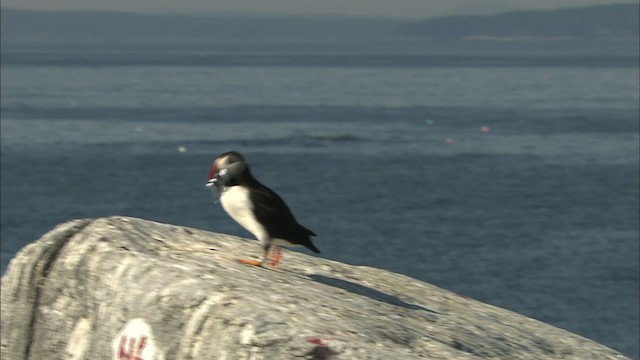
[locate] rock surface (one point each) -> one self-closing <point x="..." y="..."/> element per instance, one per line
<point x="126" y="288"/>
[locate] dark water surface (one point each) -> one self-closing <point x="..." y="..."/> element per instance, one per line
<point x="504" y="172"/>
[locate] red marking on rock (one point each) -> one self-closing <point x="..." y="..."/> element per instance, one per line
<point x="276" y="256"/>
<point x="131" y="352"/>
<point x="317" y="341"/>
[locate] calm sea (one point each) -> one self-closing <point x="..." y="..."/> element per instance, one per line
<point x="504" y="171"/>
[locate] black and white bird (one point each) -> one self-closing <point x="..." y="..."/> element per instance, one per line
<point x="256" y="208"/>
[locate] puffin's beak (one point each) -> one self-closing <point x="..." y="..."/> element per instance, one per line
<point x="211" y="182"/>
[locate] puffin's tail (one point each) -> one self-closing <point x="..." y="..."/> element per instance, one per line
<point x="309" y="245"/>
<point x="306" y="240"/>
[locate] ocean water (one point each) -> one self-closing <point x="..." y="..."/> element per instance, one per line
<point x="507" y="172"/>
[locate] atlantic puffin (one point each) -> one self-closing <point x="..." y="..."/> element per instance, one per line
<point x="256" y="208"/>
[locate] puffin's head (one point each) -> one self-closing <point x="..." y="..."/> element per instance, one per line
<point x="226" y="169"/>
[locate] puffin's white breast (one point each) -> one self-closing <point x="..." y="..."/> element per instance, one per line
<point x="236" y="202"/>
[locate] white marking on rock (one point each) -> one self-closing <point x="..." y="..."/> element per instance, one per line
<point x="79" y="340"/>
<point x="246" y="334"/>
<point x="135" y="341"/>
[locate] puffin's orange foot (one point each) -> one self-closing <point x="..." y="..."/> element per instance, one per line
<point x="251" y="262"/>
<point x="276" y="256"/>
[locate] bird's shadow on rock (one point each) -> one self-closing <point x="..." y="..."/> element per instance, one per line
<point x="367" y="291"/>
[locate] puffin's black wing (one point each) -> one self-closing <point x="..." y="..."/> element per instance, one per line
<point x="271" y="211"/>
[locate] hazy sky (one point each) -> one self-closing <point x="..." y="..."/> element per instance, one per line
<point x="390" y="8"/>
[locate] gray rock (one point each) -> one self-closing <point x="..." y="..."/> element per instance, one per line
<point x="125" y="288"/>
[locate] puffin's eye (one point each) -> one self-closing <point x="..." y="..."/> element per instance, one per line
<point x="222" y="172"/>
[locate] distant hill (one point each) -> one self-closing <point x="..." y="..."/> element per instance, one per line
<point x="117" y="26"/>
<point x="610" y="21"/>
<point x="607" y="21"/>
